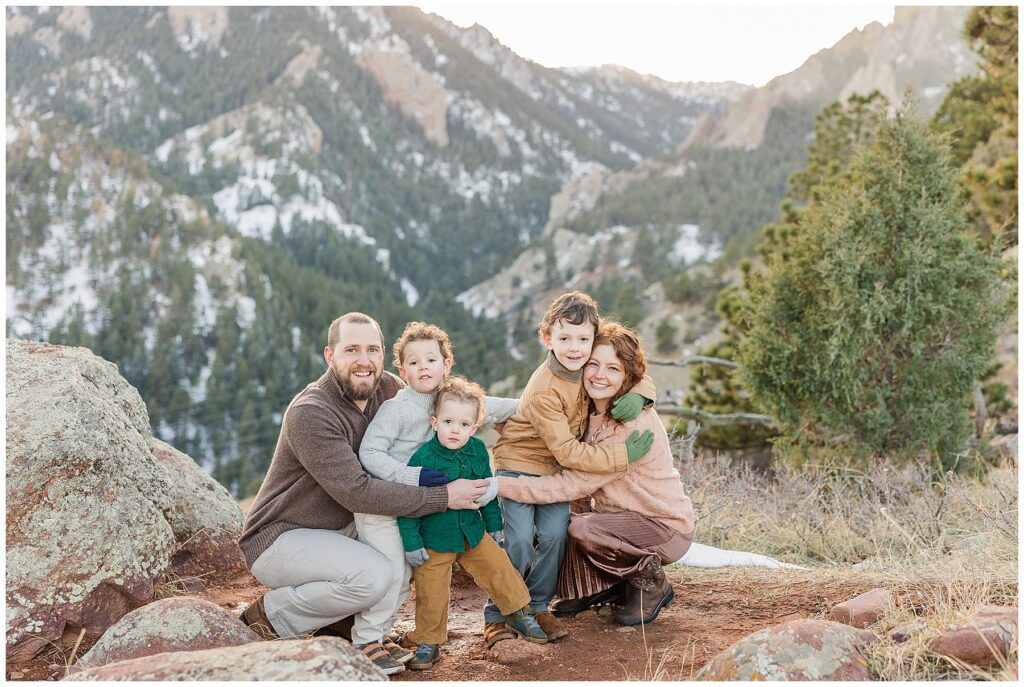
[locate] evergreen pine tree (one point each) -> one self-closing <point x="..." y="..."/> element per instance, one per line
<point x="980" y="114"/>
<point x="838" y="129"/>
<point x="665" y="336"/>
<point x="873" y="331"/>
<point x="715" y="388"/>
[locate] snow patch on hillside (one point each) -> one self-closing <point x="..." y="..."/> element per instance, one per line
<point x="215" y="263"/>
<point x="687" y="248"/>
<point x="309" y="205"/>
<point x="105" y="87"/>
<point x="412" y="296"/>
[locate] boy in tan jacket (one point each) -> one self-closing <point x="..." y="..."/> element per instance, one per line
<point x="543" y="436"/>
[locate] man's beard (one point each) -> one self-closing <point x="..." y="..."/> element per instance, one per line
<point x="368" y="385"/>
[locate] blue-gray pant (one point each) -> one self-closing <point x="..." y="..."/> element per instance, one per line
<point x="538" y="565"/>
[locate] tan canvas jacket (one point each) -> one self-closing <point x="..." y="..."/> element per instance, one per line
<point x="545" y="433"/>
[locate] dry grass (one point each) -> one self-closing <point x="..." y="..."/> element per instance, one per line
<point x="950" y="544"/>
<point x="666" y="664"/>
<point x="952" y="604"/>
<point x="171" y="585"/>
<point x="59" y="656"/>
<point x="884" y="515"/>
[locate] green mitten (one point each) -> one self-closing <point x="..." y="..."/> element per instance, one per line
<point x="628" y="407"/>
<point x="637" y="445"/>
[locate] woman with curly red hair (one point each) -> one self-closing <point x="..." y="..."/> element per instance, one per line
<point x="639" y="521"/>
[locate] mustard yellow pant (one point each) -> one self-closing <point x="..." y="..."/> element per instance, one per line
<point x="490" y="568"/>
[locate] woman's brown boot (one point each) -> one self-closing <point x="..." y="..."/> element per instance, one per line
<point x="646" y="595"/>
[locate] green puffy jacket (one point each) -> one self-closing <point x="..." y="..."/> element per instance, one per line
<point x="449" y="530"/>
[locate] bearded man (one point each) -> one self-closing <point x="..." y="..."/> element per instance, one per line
<point x="299" y="538"/>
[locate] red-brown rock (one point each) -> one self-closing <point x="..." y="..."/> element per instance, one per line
<point x="205" y="518"/>
<point x="862" y="610"/>
<point x="97" y="510"/>
<point x="986" y="637"/>
<point x="86" y="532"/>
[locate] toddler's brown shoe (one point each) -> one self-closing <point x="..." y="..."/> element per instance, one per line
<point x="399" y="653"/>
<point x="551" y="625"/>
<point x="497" y="632"/>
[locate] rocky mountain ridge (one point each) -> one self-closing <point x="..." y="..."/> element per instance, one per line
<point x="922" y="49"/>
<point x="192" y="186"/>
<point x="594" y="221"/>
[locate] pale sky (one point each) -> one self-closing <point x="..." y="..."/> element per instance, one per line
<point x="680" y="42"/>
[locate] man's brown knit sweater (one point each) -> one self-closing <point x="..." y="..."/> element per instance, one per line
<point x="315" y="479"/>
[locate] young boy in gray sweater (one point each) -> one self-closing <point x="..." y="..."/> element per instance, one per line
<point x="423" y="356"/>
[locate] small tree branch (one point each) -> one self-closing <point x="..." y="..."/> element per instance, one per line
<point x="980" y="411"/>
<point x="717" y="419"/>
<point x="695" y="360"/>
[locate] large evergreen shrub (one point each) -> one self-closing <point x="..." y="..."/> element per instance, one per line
<point x="872" y="332"/>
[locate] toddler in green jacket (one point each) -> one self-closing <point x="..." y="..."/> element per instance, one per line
<point x="433" y="543"/>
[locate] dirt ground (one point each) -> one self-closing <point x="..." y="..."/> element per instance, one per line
<point x="706" y="616"/>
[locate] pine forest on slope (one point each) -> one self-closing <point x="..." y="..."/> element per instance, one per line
<point x="194" y="193"/>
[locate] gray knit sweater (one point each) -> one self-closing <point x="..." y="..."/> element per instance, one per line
<point x="402" y="425"/>
<point x="315" y="479"/>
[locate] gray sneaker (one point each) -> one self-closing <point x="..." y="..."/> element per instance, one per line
<point x="525" y="625"/>
<point x="426" y="656"/>
<point x="380" y="657"/>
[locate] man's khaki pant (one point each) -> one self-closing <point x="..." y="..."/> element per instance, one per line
<point x="491" y="570"/>
<point x="318" y="577"/>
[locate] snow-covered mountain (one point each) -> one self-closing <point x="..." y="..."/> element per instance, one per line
<point x="194" y="192"/>
<point x="628" y="233"/>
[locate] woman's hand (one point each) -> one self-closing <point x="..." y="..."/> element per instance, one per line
<point x="637" y="445"/>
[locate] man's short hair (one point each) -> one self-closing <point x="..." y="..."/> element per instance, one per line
<point x="355" y="318"/>
<point x="574" y="307"/>
<point x="421" y="331"/>
<point x="460" y="389"/>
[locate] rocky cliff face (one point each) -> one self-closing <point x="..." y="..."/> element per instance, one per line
<point x="414" y="90"/>
<point x="597" y="220"/>
<point x="922" y="49"/>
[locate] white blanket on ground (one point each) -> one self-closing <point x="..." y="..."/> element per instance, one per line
<point x="703" y="556"/>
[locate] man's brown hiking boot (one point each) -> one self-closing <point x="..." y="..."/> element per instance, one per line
<point x="340" y="628"/>
<point x="255" y="618"/>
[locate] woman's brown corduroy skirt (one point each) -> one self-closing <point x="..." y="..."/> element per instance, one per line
<point x="607" y="548"/>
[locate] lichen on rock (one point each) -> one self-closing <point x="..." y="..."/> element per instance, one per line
<point x="321" y="659"/>
<point x="204" y="517"/>
<point x="86" y="531"/>
<point x="176" y="624"/>
<point x="797" y="650"/>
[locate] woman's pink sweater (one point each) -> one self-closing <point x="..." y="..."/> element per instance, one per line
<point x="650" y="486"/>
